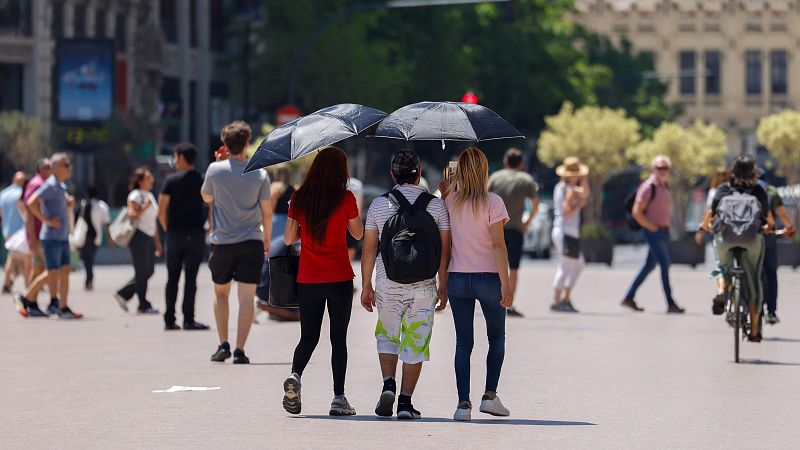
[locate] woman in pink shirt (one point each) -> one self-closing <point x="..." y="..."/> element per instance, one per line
<point x="478" y="271"/>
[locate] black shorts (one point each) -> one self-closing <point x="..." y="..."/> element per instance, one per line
<point x="241" y="262"/>
<point x="514" y="241"/>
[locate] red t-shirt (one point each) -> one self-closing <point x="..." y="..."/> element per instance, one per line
<point x="327" y="261"/>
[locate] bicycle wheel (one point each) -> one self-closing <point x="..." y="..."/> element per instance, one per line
<point x="737" y="320"/>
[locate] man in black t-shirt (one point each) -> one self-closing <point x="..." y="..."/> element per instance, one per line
<point x="182" y="215"/>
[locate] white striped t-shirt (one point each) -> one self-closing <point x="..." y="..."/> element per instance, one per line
<point x="382" y="209"/>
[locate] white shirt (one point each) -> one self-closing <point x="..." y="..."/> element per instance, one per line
<point x="146" y="223"/>
<point x="382" y="209"/>
<point x="571" y="226"/>
<point x="100" y="217"/>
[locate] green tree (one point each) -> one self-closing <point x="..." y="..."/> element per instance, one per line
<point x="630" y="82"/>
<point x="780" y="134"/>
<point x="695" y="152"/>
<point x="598" y="136"/>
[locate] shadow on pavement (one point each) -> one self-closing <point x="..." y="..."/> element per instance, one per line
<point x="271" y="364"/>
<point x="780" y="339"/>
<point x="761" y="362"/>
<point x="529" y="422"/>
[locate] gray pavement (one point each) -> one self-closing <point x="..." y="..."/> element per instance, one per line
<point x="605" y="378"/>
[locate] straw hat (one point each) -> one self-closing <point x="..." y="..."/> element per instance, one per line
<point x="572" y="167"/>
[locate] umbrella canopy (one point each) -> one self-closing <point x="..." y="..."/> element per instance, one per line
<point x="445" y="121"/>
<point x="316" y="130"/>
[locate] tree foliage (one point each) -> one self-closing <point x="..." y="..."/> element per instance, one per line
<point x="600" y="137"/>
<point x="780" y="134"/>
<point x="22" y="139"/>
<point x="695" y="152"/>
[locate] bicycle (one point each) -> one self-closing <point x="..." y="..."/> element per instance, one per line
<point x="737" y="307"/>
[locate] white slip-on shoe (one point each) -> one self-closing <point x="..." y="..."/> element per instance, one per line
<point x="493" y="406"/>
<point x="463" y="412"/>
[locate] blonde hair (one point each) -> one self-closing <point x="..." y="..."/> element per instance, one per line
<point x="471" y="179"/>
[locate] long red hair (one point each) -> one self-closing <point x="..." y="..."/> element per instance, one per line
<point x="323" y="189"/>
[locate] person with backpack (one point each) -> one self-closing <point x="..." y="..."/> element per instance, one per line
<point x="479" y="271"/>
<point x="410" y="229"/>
<point x="96" y="214"/>
<point x="320" y="214"/>
<point x="741" y="216"/>
<point x="651" y="211"/>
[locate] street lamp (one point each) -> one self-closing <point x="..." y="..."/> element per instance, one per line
<point x="359" y="8"/>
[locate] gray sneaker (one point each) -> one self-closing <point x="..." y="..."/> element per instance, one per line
<point x="291" y="394"/>
<point x="341" y="407"/>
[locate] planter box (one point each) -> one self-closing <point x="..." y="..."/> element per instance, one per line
<point x="687" y="252"/>
<point x="789" y="254"/>
<point x="598" y="251"/>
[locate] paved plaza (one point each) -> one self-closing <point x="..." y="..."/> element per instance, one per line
<point x="605" y="378"/>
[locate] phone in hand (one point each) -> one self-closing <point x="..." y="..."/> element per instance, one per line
<point x="451" y="170"/>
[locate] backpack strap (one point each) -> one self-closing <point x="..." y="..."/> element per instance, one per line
<point x="422" y="202"/>
<point x="399" y="200"/>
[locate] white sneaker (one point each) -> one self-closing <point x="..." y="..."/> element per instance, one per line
<point x="493" y="406"/>
<point x="463" y="412"/>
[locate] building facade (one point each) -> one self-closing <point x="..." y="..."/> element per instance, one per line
<point x="168" y="51"/>
<point x="729" y="62"/>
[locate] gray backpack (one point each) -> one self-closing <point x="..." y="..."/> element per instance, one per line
<point x="739" y="218"/>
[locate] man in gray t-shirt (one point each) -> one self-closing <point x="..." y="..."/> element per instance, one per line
<point x="241" y="230"/>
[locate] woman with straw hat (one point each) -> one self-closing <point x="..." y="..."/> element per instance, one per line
<point x="569" y="198"/>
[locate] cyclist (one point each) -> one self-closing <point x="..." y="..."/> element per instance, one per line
<point x="750" y="205"/>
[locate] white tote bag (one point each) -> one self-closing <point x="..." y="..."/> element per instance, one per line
<point x="122" y="229"/>
<point x="18" y="242"/>
<point x="77" y="236"/>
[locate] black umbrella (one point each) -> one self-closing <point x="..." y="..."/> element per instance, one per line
<point x="445" y="121"/>
<point x="316" y="130"/>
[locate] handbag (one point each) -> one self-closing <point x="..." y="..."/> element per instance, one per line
<point x="283" y="280"/>
<point x="77" y="237"/>
<point x="572" y="247"/>
<point x="122" y="229"/>
<point x="18" y="242"/>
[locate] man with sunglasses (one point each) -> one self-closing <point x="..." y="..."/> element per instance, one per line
<point x="653" y="210"/>
<point x="49" y="204"/>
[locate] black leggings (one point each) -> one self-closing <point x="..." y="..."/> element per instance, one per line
<point x="312" y="299"/>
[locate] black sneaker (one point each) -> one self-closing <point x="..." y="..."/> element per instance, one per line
<point x="291" y="394"/>
<point x="629" y="303"/>
<point x="147" y="310"/>
<point x="68" y="314"/>
<point x="171" y="327"/>
<point x="239" y="357"/>
<point x="772" y="318"/>
<point x="718" y="305"/>
<point x="6" y="289"/>
<point x="512" y="312"/>
<point x="673" y="308"/>
<point x="385" y="407"/>
<point x="53" y="309"/>
<point x="194" y="326"/>
<point x="34" y="311"/>
<point x="223" y="352"/>
<point x="406" y="411"/>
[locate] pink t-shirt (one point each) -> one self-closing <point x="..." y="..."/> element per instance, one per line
<point x="658" y="208"/>
<point x="472" y="242"/>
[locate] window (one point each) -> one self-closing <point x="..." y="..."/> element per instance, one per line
<point x="193" y="24"/>
<point x="753" y="72"/>
<point x="57" y="22"/>
<point x="687" y="72"/>
<point x="217" y="25"/>
<point x="120" y="31"/>
<point x="713" y="73"/>
<point x="779" y="68"/>
<point x="169" y="20"/>
<point x="15" y="17"/>
<point x="79" y="21"/>
<point x="100" y="23"/>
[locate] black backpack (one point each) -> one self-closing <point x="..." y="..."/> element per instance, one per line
<point x="739" y="218"/>
<point x="633" y="224"/>
<point x="410" y="246"/>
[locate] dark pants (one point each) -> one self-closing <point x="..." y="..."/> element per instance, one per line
<point x="770" y="272"/>
<point x="658" y="255"/>
<point x="185" y="250"/>
<point x="87" y="254"/>
<point x="463" y="290"/>
<point x="312" y="298"/>
<point x="142" y="249"/>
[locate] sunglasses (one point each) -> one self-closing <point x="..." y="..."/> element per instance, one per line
<point x="662" y="168"/>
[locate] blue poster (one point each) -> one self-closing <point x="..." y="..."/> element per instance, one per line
<point x="85" y="79"/>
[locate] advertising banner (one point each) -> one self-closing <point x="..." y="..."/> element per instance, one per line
<point x="85" y="79"/>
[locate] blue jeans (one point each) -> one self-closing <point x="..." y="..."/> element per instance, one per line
<point x="463" y="290"/>
<point x="56" y="254"/>
<point x="658" y="254"/>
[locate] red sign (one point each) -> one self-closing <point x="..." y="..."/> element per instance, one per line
<point x="470" y="97"/>
<point x="286" y="114"/>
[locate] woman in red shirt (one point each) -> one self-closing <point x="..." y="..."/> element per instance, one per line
<point x="319" y="213"/>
